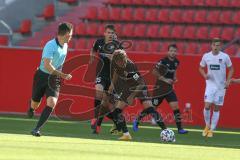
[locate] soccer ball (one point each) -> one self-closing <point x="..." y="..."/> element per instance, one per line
<point x="167" y="135"/>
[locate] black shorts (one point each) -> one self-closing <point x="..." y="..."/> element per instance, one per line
<point x="170" y="97"/>
<point x="45" y="84"/>
<point x="104" y="81"/>
<point x="127" y="91"/>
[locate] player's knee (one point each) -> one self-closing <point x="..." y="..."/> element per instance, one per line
<point x="174" y="105"/>
<point x="51" y="102"/>
<point x="34" y="104"/>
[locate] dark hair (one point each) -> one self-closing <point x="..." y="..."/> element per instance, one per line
<point x="110" y="26"/>
<point x="214" y="40"/>
<point x="173" y="45"/>
<point x="118" y="55"/>
<point x="64" y="28"/>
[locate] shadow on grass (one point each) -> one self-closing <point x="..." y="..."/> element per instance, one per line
<point x="57" y="128"/>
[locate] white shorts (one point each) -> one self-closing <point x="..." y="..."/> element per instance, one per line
<point x="215" y="96"/>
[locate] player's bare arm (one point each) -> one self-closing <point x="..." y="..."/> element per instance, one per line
<point x="92" y="56"/>
<point x="49" y="67"/>
<point x="229" y="76"/>
<point x="203" y="73"/>
<point x="235" y="80"/>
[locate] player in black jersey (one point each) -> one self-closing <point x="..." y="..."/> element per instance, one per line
<point x="103" y="67"/>
<point x="172" y="63"/>
<point x="128" y="84"/>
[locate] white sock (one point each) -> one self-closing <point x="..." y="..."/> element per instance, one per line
<point x="215" y="118"/>
<point x="126" y="134"/>
<point x="206" y="114"/>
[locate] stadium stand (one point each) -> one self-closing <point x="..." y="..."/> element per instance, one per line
<point x="151" y="24"/>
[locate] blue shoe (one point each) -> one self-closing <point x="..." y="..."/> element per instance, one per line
<point x="182" y="131"/>
<point x="135" y="125"/>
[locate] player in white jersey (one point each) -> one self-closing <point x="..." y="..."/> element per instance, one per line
<point x="216" y="63"/>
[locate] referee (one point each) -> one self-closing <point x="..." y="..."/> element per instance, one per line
<point x="47" y="77"/>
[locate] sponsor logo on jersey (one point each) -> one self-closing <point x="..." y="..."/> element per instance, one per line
<point x="214" y="66"/>
<point x="220" y="60"/>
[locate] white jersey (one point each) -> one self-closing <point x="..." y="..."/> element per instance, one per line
<point x="216" y="65"/>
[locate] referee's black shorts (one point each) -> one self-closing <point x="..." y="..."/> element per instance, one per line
<point x="45" y="84"/>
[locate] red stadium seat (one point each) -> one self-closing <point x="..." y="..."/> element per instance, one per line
<point x="214" y="32"/>
<point x="191" y="48"/>
<point x="137" y="2"/>
<point x="141" y="46"/>
<point x="174" y="2"/>
<point x="202" y="32"/>
<point x="80" y="29"/>
<point x="140" y="30"/>
<point x="227" y="33"/>
<point x="226" y="17"/>
<point x="101" y="29"/>
<point x="175" y="16"/>
<point x="177" y="31"/>
<point x="162" y="2"/>
<point x="49" y="11"/>
<point x="180" y="46"/>
<point x="118" y="28"/>
<point x="127" y="14"/>
<point x="91" y="13"/>
<point x="114" y="2"/>
<point x="115" y="14"/>
<point x="213" y="17"/>
<point x="212" y="3"/>
<point x="200" y="16"/>
<point x="198" y="2"/>
<point x="150" y="2"/>
<point x="164" y="46"/>
<point x="204" y="48"/>
<point x="152" y="31"/>
<point x="154" y="46"/>
<point x="163" y="15"/>
<point x="70" y="1"/>
<point x="151" y="15"/>
<point x="186" y="2"/>
<point x="234" y="3"/>
<point x="165" y="31"/>
<point x="127" y="30"/>
<point x="189" y="32"/>
<point x="90" y="42"/>
<point x="92" y="29"/>
<point x="126" y="2"/>
<point x="26" y="26"/>
<point x="80" y="44"/>
<point x="231" y="51"/>
<point x="3" y="40"/>
<point x="103" y="13"/>
<point x="235" y="18"/>
<point x="188" y="16"/>
<point x="139" y="14"/>
<point x="237" y="32"/>
<point x="223" y="3"/>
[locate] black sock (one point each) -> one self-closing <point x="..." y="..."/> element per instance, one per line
<point x="177" y="117"/>
<point x="96" y="107"/>
<point x="142" y="114"/>
<point x="120" y="120"/>
<point x="44" y="117"/>
<point x="110" y="116"/>
<point x="156" y="116"/>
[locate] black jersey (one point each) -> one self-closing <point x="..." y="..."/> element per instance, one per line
<point x="128" y="76"/>
<point x="171" y="65"/>
<point x="103" y="68"/>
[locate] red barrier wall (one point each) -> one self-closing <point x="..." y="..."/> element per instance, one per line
<point x="17" y="67"/>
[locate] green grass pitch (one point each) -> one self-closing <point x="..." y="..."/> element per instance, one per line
<point x="67" y="140"/>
